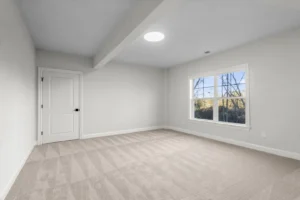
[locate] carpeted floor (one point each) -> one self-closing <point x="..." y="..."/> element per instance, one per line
<point x="154" y="165"/>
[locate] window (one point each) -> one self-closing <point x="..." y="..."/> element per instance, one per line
<point x="221" y="97"/>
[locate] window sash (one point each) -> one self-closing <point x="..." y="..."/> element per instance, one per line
<point x="215" y="109"/>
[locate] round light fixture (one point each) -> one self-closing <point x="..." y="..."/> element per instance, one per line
<point x="154" y="36"/>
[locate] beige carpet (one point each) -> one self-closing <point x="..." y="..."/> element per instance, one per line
<point x="154" y="165"/>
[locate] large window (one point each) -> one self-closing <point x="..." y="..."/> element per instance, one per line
<point x="221" y="97"/>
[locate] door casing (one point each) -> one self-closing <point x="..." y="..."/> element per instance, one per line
<point x="40" y="72"/>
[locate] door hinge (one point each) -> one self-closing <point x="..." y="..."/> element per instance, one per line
<point x="42" y="133"/>
<point x="42" y="79"/>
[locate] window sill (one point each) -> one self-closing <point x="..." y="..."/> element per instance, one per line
<point x="231" y="125"/>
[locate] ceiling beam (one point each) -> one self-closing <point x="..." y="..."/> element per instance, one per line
<point x="140" y="19"/>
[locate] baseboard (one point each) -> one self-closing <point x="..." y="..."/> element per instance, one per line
<point x="13" y="179"/>
<point x="94" y="135"/>
<point x="269" y="150"/>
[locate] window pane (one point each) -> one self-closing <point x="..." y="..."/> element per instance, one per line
<point x="204" y="92"/>
<point x="203" y="109"/>
<point x="232" y="84"/>
<point x="202" y="87"/>
<point x="232" y="90"/>
<point x="232" y="110"/>
<point x="198" y="93"/>
<point x="208" y="92"/>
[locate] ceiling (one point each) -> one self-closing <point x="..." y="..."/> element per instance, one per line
<point x="73" y="26"/>
<point x="211" y="25"/>
<point x="82" y="26"/>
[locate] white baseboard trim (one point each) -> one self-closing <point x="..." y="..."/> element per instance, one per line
<point x="14" y="177"/>
<point x="269" y="150"/>
<point x="94" y="135"/>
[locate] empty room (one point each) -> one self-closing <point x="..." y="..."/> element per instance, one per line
<point x="149" y="99"/>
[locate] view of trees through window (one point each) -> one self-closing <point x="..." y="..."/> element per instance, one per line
<point x="230" y="97"/>
<point x="204" y="109"/>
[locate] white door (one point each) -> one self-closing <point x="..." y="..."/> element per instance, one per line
<point x="60" y="106"/>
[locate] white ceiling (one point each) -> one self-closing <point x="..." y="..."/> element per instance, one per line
<point x="72" y="26"/>
<point x="82" y="26"/>
<point x="213" y="25"/>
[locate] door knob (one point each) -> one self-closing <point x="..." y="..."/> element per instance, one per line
<point x="77" y="110"/>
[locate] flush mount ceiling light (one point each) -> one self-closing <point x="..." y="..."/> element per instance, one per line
<point x="154" y="36"/>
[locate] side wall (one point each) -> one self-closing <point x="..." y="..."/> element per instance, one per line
<point x="17" y="94"/>
<point x="274" y="65"/>
<point x="115" y="98"/>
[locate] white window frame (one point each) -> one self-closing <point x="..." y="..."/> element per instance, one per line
<point x="215" y="99"/>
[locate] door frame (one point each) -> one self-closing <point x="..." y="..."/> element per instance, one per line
<point x="40" y="92"/>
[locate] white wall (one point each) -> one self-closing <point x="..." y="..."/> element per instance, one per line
<point x="274" y="65"/>
<point x="117" y="97"/>
<point x="17" y="94"/>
